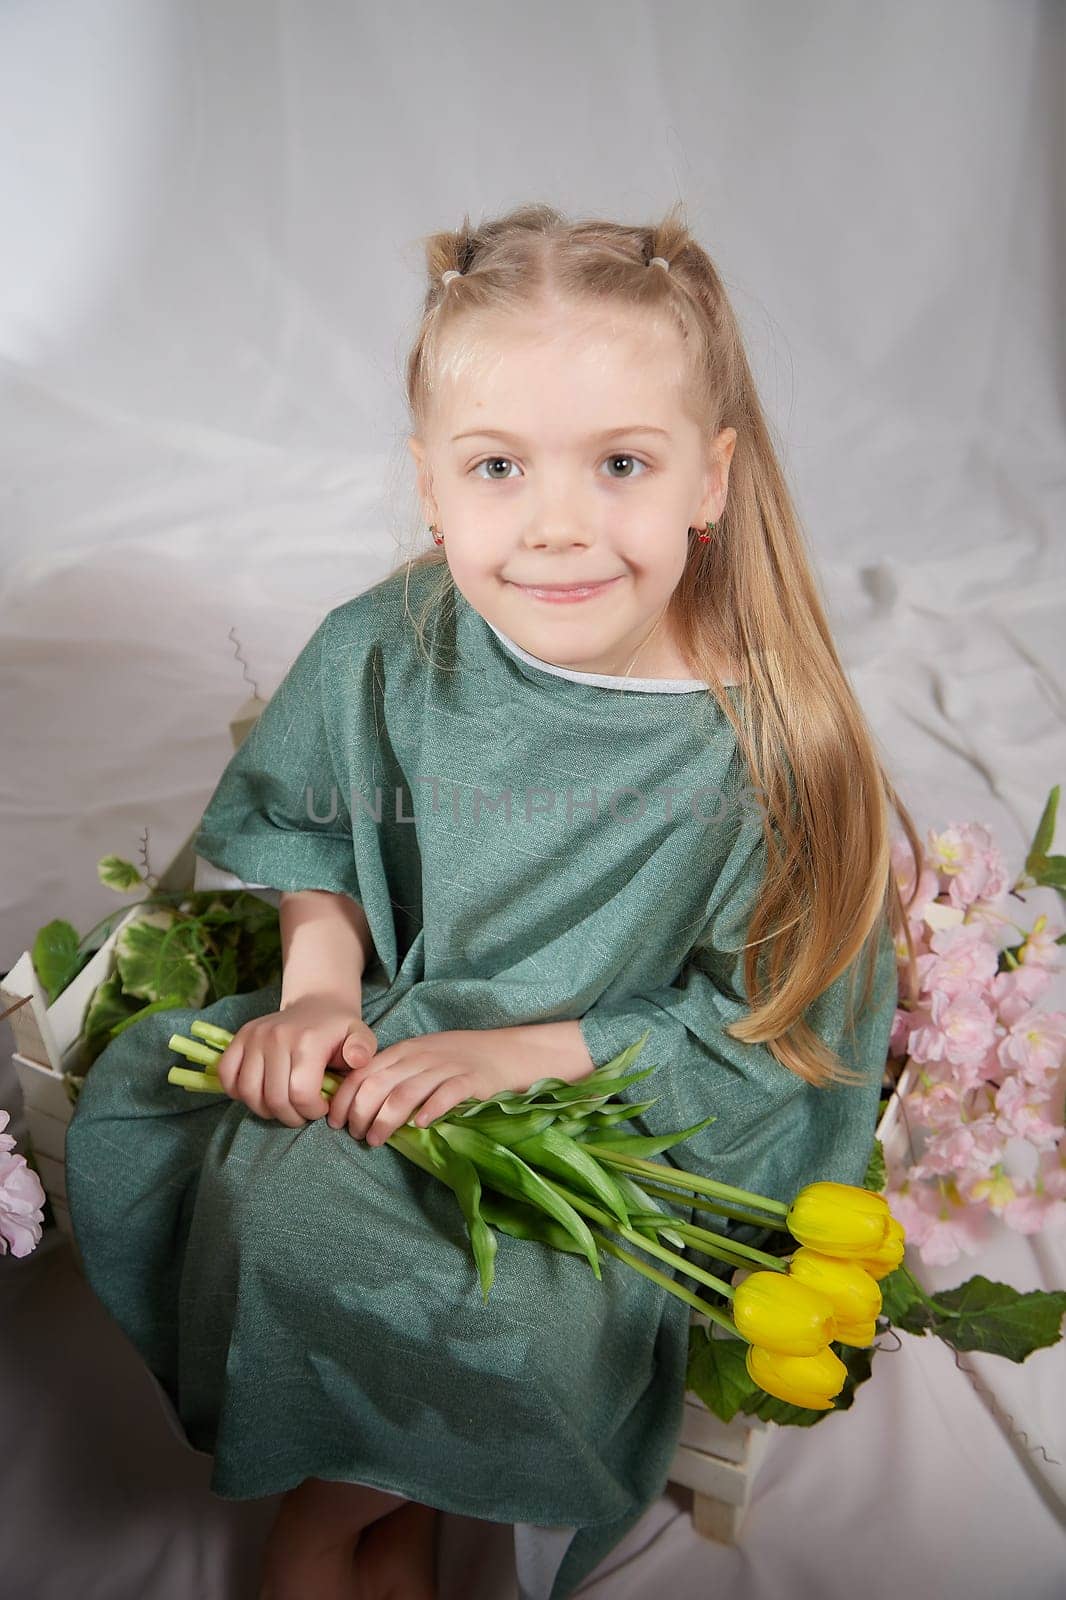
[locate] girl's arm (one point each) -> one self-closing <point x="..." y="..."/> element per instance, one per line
<point x="325" y="946"/>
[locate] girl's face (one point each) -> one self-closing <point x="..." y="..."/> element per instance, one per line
<point x="560" y="454"/>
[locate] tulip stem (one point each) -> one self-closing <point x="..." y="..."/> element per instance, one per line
<point x="688" y="1180"/>
<point x="675" y="1289"/>
<point x="208" y="1082"/>
<point x="191" y="1078"/>
<point x="657" y="1192"/>
<point x="652" y="1246"/>
<point x="713" y="1244"/>
<point x="192" y="1051"/>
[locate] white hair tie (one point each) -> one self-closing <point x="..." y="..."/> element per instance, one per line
<point x="659" y="261"/>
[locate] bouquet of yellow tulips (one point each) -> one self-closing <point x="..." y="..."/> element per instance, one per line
<point x="537" y="1164"/>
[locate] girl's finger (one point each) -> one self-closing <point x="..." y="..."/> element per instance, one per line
<point x="306" y="1070"/>
<point x="341" y="1099"/>
<point x="249" y="1084"/>
<point x="445" y="1098"/>
<point x="399" y="1106"/>
<point x="228" y="1064"/>
<point x="370" y="1095"/>
<point x="276" y="1078"/>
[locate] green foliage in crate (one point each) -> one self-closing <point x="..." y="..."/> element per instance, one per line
<point x="187" y="948"/>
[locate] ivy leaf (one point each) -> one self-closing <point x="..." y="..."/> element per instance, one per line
<point x="978" y="1315"/>
<point x="717" y="1373"/>
<point x="902" y="1302"/>
<point x="875" y="1168"/>
<point x="55" y="957"/>
<point x="115" y="873"/>
<point x="156" y="960"/>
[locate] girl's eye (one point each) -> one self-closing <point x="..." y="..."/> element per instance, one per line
<point x="493" y="461"/>
<point x="505" y="461"/>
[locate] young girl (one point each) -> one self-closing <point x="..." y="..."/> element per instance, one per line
<point x="560" y="780"/>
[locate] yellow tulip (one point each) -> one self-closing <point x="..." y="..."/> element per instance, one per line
<point x="802" y="1380"/>
<point x="860" y="1334"/>
<point x="888" y="1258"/>
<point x="839" y="1219"/>
<point x="852" y="1290"/>
<point x="776" y="1311"/>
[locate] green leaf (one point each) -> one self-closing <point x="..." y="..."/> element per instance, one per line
<point x="169" y="1002"/>
<point x="1045" y="830"/>
<point x="509" y="1173"/>
<point x="874" y="1177"/>
<point x="977" y="1315"/>
<point x="643" y="1145"/>
<point x="632" y="1191"/>
<point x="1051" y="872"/>
<point x="226" y="976"/>
<point x="107" y="1008"/>
<point x="554" y="1152"/>
<point x="523" y="1221"/>
<point x="507" y="1128"/>
<point x="461" y="1175"/>
<point x="115" y="873"/>
<point x="55" y="957"/>
<point x="717" y="1373"/>
<point x="154" y="960"/>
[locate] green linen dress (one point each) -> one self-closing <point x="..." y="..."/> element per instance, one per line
<point x="529" y="844"/>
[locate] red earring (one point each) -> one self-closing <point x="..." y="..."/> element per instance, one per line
<point x="704" y="537"/>
<point x="438" y="538"/>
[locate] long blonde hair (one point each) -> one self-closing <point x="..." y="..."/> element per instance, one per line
<point x="749" y="596"/>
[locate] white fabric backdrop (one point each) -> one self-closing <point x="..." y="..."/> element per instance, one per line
<point x="209" y="276"/>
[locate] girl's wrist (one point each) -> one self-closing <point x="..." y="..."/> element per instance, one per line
<point x="348" y="998"/>
<point x="564" y="1044"/>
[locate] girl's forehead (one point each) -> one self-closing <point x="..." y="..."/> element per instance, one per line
<point x="579" y="356"/>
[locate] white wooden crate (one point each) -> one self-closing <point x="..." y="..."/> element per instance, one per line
<point x="47" y="1042"/>
<point x="48" y="1046"/>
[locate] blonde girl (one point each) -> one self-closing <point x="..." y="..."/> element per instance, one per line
<point x="586" y="768"/>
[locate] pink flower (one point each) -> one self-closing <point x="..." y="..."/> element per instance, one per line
<point x="990" y="1068"/>
<point x="1029" y="1211"/>
<point x="936" y="1105"/>
<point x="1013" y="992"/>
<point x="21" y="1199"/>
<point x="962" y="960"/>
<point x="937" y="1223"/>
<point x="1040" y="948"/>
<point x="961" y="1030"/>
<point x="967" y="859"/>
<point x="995" y="1187"/>
<point x="971" y="1147"/>
<point x="1035" y="1046"/>
<point x="1030" y="1111"/>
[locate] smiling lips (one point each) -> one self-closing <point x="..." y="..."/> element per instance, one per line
<point x="565" y="593"/>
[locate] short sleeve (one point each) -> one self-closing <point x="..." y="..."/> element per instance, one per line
<point x="279" y="817"/>
<point x="774" y="1131"/>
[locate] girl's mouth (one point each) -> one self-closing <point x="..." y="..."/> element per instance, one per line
<point x="567" y="596"/>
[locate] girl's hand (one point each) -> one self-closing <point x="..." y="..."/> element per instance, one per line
<point x="424" y="1078"/>
<point x="276" y="1062"/>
